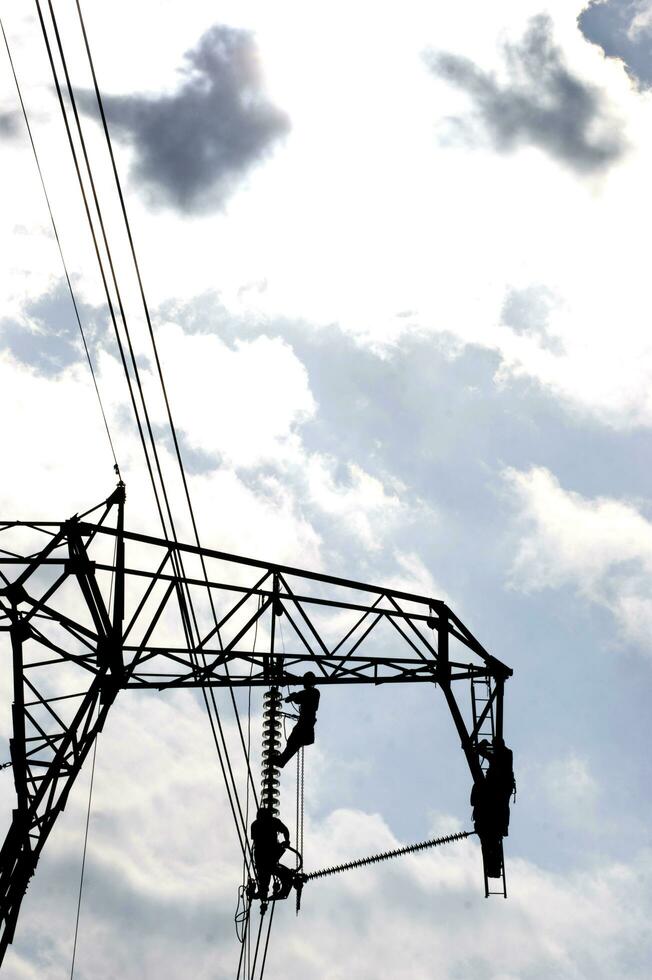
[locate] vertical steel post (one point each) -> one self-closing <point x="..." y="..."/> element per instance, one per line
<point x="117" y="660"/>
<point x="17" y="742"/>
<point x="499" y="684"/>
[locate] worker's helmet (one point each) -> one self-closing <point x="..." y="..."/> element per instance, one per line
<point x="309" y="678"/>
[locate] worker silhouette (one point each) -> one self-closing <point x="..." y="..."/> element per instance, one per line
<point x="500" y="779"/>
<point x="268" y="851"/>
<point x="490" y="798"/>
<point x="303" y="732"/>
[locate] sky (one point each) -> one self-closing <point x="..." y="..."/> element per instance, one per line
<point x="398" y="266"/>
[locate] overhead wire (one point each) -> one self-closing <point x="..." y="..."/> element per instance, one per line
<point x="107" y="248"/>
<point x="157" y="360"/>
<point x="96" y="247"/>
<point x="186" y="601"/>
<point x="83" y="866"/>
<point x="252" y="968"/>
<point x="123" y="318"/>
<point x="59" y="246"/>
<point x="185" y="598"/>
<point x="242" y="957"/>
<point x="269" y="930"/>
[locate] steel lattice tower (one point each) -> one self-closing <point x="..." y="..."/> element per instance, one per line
<point x="89" y="609"/>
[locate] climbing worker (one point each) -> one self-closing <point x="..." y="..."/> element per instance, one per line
<point x="500" y="779"/>
<point x="490" y="801"/>
<point x="303" y="732"/>
<point x="268" y="851"/>
<point x="499" y="782"/>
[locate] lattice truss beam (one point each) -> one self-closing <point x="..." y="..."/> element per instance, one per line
<point x="87" y="609"/>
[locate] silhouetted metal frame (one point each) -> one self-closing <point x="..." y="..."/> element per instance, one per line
<point x="47" y="761"/>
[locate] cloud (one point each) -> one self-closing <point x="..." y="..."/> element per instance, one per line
<point x="642" y="21"/>
<point x="360" y="505"/>
<point x="527" y="311"/>
<point x="244" y="402"/>
<point x="601" y="547"/>
<point x="623" y="29"/>
<point x="163" y="863"/>
<point x="571" y="788"/>
<point x="162" y="872"/>
<point x="543" y="103"/>
<point x="396" y="919"/>
<point x="193" y="147"/>
<point x="46" y="335"/>
<point x="8" y="124"/>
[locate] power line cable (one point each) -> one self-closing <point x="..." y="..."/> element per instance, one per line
<point x="157" y="360"/>
<point x="81" y="877"/>
<point x="252" y="968"/>
<point x="242" y="957"/>
<point x="106" y="244"/>
<point x="107" y="248"/>
<point x="58" y="241"/>
<point x="176" y="557"/>
<point x="185" y="601"/>
<point x="269" y="930"/>
<point x="91" y="226"/>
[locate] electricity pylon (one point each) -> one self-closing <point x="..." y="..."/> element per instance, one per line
<point x="90" y="609"/>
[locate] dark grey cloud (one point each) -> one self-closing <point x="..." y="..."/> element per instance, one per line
<point x="48" y="339"/>
<point x="193" y="147"/>
<point x="527" y="312"/>
<point x="543" y="104"/>
<point x="8" y="124"/>
<point x="612" y="25"/>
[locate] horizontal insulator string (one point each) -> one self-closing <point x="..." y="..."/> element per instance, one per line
<point x="386" y="855"/>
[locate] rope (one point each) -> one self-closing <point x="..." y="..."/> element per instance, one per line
<point x="81" y="877"/>
<point x="58" y="241"/>
<point x="302" y="753"/>
<point x="241" y="917"/>
<point x="296" y="815"/>
<point x="299" y="813"/>
<point x="299" y="818"/>
<point x="242" y="957"/>
<point x="386" y="855"/>
<point x="248" y="748"/>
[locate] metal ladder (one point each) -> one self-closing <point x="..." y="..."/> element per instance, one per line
<point x="481" y="696"/>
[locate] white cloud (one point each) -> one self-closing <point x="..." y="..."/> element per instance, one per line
<point x="359" y="502"/>
<point x="642" y="21"/>
<point x="389" y="921"/>
<point x="307" y="224"/>
<point x="397" y="919"/>
<point x="244" y="402"/>
<point x="601" y="547"/>
<point x="364" y="214"/>
<point x="413" y="576"/>
<point x="571" y="788"/>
